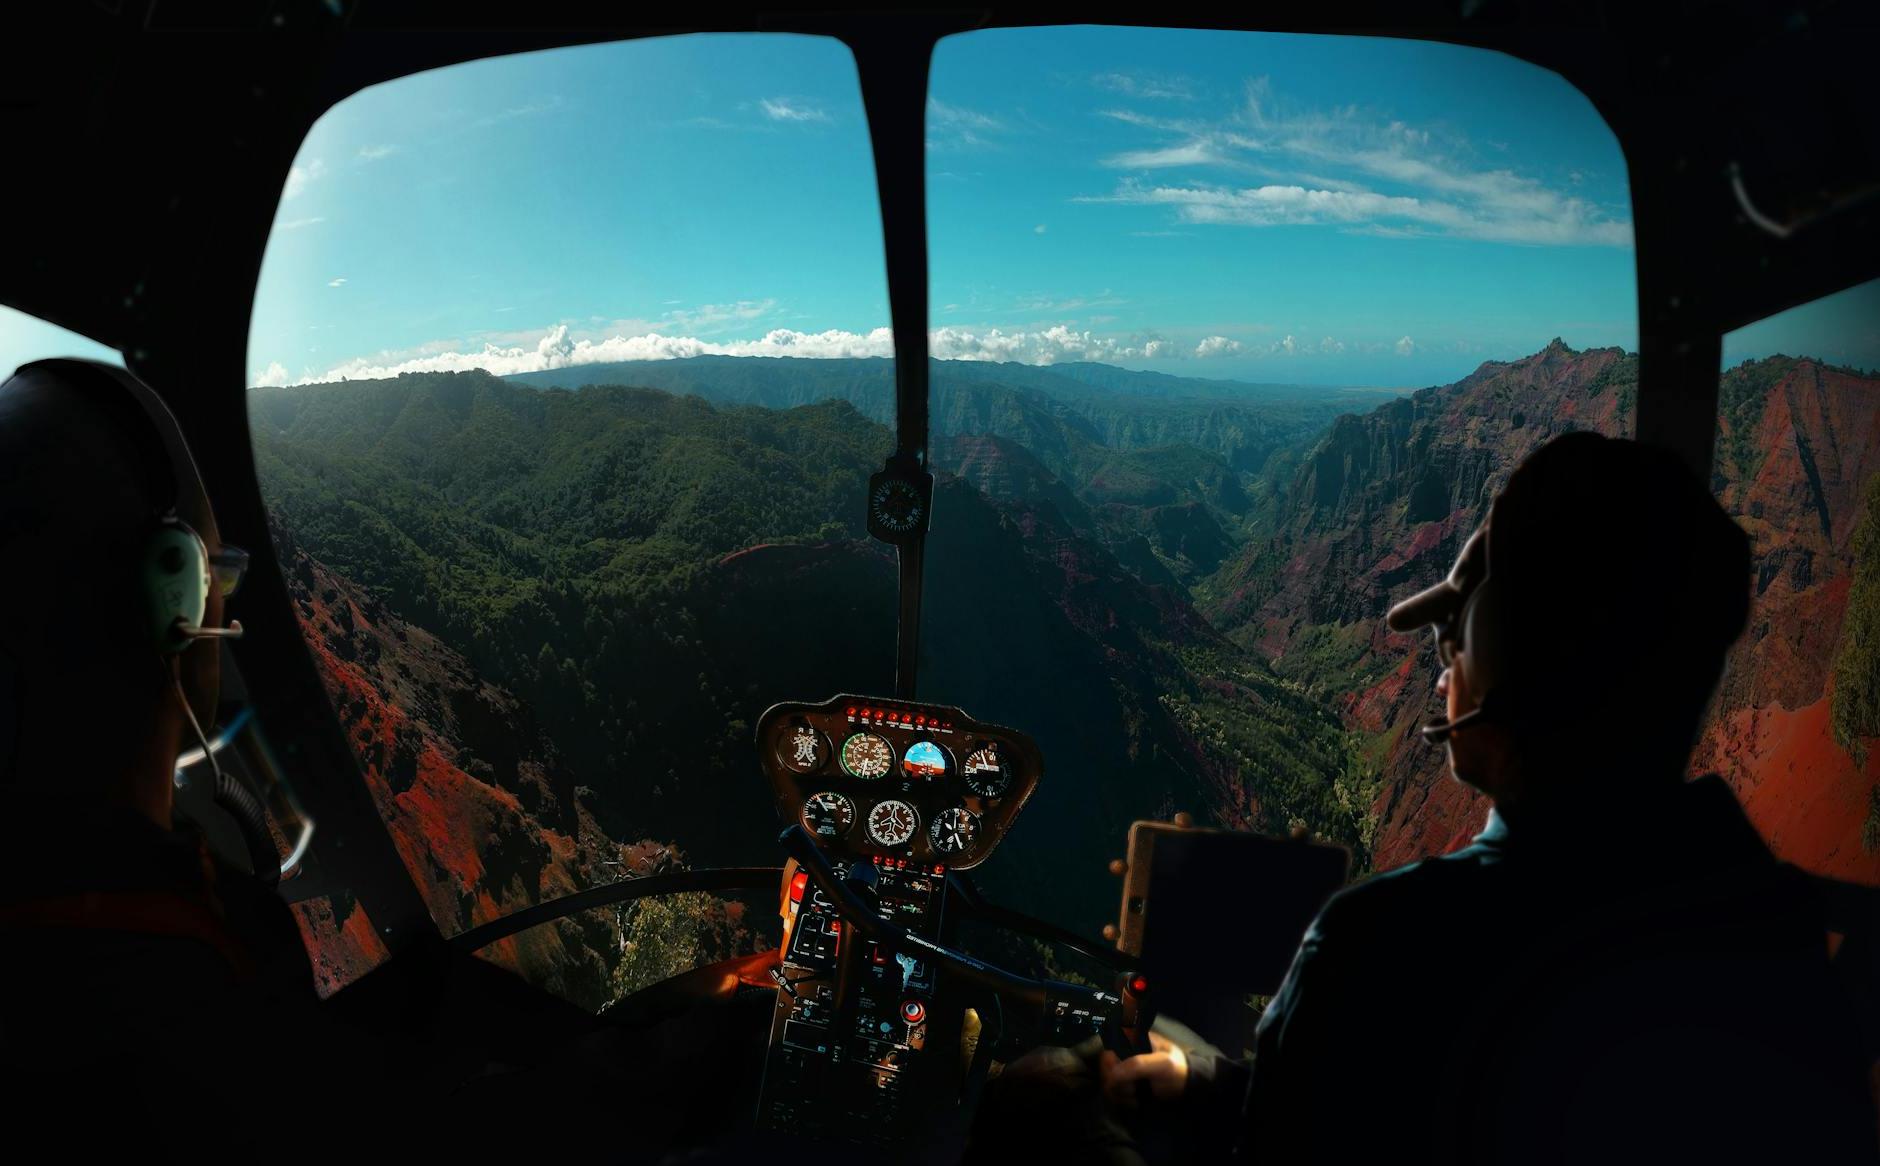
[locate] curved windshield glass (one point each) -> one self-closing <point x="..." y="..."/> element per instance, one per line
<point x="570" y="369"/>
<point x="1236" y="336"/>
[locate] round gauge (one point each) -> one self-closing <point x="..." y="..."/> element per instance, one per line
<point x="924" y="760"/>
<point x="897" y="505"/>
<point x="985" y="772"/>
<point x="802" y="748"/>
<point x="828" y="815"/>
<point x="892" y="823"/>
<point x="867" y="755"/>
<point x="955" y="830"/>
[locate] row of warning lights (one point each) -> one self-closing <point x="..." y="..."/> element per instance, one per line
<point x="896" y="717"/>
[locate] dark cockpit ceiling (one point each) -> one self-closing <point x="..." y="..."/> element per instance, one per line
<point x="149" y="141"/>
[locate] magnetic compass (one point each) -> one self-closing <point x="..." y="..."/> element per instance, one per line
<point x="898" y="501"/>
<point x="897" y="505"/>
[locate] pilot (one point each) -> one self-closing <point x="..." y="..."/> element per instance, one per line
<point x="1616" y="969"/>
<point x="150" y="995"/>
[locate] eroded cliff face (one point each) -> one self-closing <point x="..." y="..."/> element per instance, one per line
<point x="1381" y="508"/>
<point x="1798" y="446"/>
<point x="482" y="811"/>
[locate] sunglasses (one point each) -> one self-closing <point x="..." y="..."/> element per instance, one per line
<point x="228" y="566"/>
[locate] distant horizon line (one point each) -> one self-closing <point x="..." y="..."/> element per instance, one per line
<point x="1323" y="386"/>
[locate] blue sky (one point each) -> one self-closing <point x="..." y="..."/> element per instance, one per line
<point x="1256" y="206"/>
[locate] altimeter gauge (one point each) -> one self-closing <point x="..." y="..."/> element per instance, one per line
<point x="892" y="823"/>
<point x="985" y="772"/>
<point x="867" y="755"/>
<point x="828" y="815"/>
<point x="954" y="831"/>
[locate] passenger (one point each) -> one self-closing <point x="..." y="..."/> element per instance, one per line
<point x="156" y="1003"/>
<point x="1617" y="969"/>
<point x="152" y="1000"/>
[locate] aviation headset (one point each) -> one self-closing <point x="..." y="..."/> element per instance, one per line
<point x="176" y="574"/>
<point x="1466" y="611"/>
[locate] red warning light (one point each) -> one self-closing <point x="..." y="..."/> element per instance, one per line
<point x="851" y="710"/>
<point x="1139" y="985"/>
<point x="797" y="885"/>
<point x="920" y="720"/>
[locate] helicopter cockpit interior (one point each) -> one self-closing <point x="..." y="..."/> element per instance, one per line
<point x="865" y="538"/>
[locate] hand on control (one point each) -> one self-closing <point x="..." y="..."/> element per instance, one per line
<point x="1164" y="1067"/>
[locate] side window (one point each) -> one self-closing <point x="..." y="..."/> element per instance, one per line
<point x="1795" y="727"/>
<point x="24" y="339"/>
<point x="569" y="372"/>
<point x="1237" y="335"/>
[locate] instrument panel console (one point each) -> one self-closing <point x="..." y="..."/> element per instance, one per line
<point x="864" y="1040"/>
<point x="919" y="783"/>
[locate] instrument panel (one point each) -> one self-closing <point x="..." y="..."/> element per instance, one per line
<point x="897" y="780"/>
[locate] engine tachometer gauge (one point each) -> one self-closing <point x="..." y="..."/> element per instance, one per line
<point x="828" y="815"/>
<point x="867" y="755"/>
<point x="892" y="823"/>
<point x="985" y="772"/>
<point x="954" y="831"/>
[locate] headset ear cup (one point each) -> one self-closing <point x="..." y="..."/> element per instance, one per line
<point x="176" y="584"/>
<point x="1481" y="633"/>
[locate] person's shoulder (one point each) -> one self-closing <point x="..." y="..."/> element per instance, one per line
<point x="1403" y="896"/>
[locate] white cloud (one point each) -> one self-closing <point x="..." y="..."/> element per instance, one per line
<point x="1275" y="205"/>
<point x="1406" y="347"/>
<point x="540" y="105"/>
<point x="1356" y="172"/>
<point x="954" y="127"/>
<point x="557" y="348"/>
<point x="297" y="224"/>
<point x="1195" y="153"/>
<point x="1218" y="346"/>
<point x="1103" y="299"/>
<point x="789" y="109"/>
<point x="374" y="153"/>
<point x="1045" y="346"/>
<point x="1332" y="347"/>
<point x="1038" y="230"/>
<point x="1286" y="345"/>
<point x="710" y="318"/>
<point x="299" y="176"/>
<point x="339" y="281"/>
<point x="1145" y="85"/>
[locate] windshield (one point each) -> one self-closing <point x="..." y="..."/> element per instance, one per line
<point x="570" y="370"/>
<point x="1237" y="334"/>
